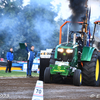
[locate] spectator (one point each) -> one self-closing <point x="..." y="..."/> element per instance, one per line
<point x="30" y="59"/>
<point x="9" y="60"/>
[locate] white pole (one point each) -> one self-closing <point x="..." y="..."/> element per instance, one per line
<point x="67" y="33"/>
<point x="74" y="38"/>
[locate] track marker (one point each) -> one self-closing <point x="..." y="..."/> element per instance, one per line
<point x="38" y="91"/>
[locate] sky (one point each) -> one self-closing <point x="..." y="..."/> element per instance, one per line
<point x="65" y="12"/>
<point x="26" y="2"/>
<point x="95" y="9"/>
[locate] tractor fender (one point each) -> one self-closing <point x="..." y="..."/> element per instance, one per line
<point x="87" y="53"/>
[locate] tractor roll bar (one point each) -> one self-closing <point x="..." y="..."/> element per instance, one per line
<point x="60" y="35"/>
<point x="96" y="22"/>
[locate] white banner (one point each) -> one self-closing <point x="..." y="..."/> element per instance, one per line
<point x="34" y="67"/>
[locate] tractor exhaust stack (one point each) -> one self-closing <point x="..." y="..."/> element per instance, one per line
<point x="74" y="39"/>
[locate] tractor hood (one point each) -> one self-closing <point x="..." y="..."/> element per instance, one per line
<point x="69" y="45"/>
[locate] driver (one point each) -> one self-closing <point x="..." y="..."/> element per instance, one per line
<point x="80" y="43"/>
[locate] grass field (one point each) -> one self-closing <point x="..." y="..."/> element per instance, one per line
<point x="16" y="74"/>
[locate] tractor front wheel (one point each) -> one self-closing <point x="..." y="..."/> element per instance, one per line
<point x="77" y="78"/>
<point x="47" y="77"/>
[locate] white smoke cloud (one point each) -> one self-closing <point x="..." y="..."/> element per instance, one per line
<point x="64" y="10"/>
<point x="95" y="6"/>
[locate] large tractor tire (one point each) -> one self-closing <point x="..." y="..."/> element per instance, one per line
<point x="91" y="71"/>
<point x="47" y="76"/>
<point x="77" y="77"/>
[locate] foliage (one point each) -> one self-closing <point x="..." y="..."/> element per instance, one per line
<point x="33" y="24"/>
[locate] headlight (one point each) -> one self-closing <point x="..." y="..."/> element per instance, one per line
<point x="60" y="50"/>
<point x="69" y="51"/>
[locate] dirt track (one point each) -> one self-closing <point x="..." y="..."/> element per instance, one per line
<point x="22" y="89"/>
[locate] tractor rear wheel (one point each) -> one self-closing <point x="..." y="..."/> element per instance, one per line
<point x="47" y="76"/>
<point x="77" y="78"/>
<point x="91" y="71"/>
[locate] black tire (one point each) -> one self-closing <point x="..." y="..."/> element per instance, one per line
<point x="77" y="77"/>
<point x="91" y="76"/>
<point x="47" y="76"/>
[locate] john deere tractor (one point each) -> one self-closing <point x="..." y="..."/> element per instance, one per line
<point x="75" y="58"/>
<point x="78" y="58"/>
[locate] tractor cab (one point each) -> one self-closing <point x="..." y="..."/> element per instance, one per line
<point x="77" y="36"/>
<point x="71" y="50"/>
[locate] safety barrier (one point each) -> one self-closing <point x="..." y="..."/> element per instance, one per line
<point x="19" y="66"/>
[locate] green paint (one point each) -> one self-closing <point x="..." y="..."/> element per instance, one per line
<point x="75" y="58"/>
<point x="87" y="53"/>
<point x="62" y="70"/>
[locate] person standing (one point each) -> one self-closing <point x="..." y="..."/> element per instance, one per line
<point x="31" y="55"/>
<point x="9" y="60"/>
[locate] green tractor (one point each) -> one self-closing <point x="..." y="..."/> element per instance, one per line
<point x="75" y="60"/>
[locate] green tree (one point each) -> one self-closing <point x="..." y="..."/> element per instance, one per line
<point x="33" y="24"/>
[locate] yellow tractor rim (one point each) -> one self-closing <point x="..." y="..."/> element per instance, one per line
<point x="97" y="70"/>
<point x="80" y="78"/>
